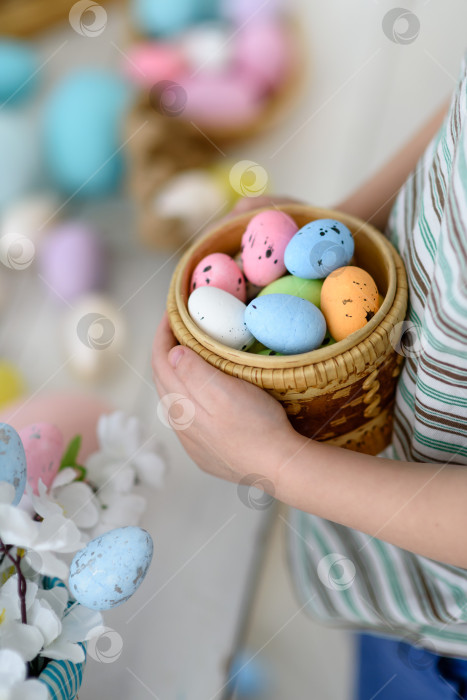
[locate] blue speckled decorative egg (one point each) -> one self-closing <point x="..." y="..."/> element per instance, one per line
<point x="111" y="567"/>
<point x="285" y="323"/>
<point x="169" y="18"/>
<point x="83" y="132"/>
<point x="318" y="249"/>
<point x="12" y="460"/>
<point x="18" y="70"/>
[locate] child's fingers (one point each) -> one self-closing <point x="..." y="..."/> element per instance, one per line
<point x="163" y="374"/>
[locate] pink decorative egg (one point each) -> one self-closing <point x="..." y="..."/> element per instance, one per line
<point x="44" y="446"/>
<point x="263" y="245"/>
<point x="221" y="271"/>
<point x="148" y="63"/>
<point x="257" y="40"/>
<point x="221" y="100"/>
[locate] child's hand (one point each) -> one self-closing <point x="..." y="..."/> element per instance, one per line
<point x="230" y="428"/>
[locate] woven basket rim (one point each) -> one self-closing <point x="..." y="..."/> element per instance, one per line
<point x="383" y="322"/>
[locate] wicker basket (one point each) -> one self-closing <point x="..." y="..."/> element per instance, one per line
<point x="342" y="394"/>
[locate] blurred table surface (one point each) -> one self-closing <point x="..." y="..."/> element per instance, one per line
<point x="180" y="630"/>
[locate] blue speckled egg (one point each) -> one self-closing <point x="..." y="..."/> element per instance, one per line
<point x="285" y="323"/>
<point x="12" y="460"/>
<point x="111" y="567"/>
<point x="18" y="70"/>
<point x="169" y="18"/>
<point x="318" y="249"/>
<point x="83" y="132"/>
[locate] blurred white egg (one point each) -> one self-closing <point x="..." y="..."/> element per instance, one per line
<point x="194" y="196"/>
<point x="30" y="216"/>
<point x="207" y="47"/>
<point x="94" y="335"/>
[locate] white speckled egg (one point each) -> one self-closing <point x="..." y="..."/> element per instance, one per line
<point x="220" y="315"/>
<point x="111" y="567"/>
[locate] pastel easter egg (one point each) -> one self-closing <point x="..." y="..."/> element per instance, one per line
<point x="297" y="287"/>
<point x="110" y="569"/>
<point x="253" y="42"/>
<point x="44" y="446"/>
<point x="220" y="315"/>
<point x="11" y="383"/>
<point x="82" y="135"/>
<point x="207" y="47"/>
<point x="223" y="99"/>
<point x="192" y="197"/>
<point x="319" y="248"/>
<point x="269" y="352"/>
<point x="19" y="69"/>
<point x="259" y="349"/>
<point x="94" y="334"/>
<point x="241" y="11"/>
<point x="286" y="324"/>
<point x="31" y="216"/>
<point x="72" y="260"/>
<point x="150" y="62"/>
<point x="73" y="413"/>
<point x="12" y="460"/>
<point x="349" y="299"/>
<point x="221" y="271"/>
<point x="20" y="149"/>
<point x="263" y="244"/>
<point x="170" y="18"/>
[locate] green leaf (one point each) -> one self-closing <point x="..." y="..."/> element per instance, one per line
<point x="71" y="453"/>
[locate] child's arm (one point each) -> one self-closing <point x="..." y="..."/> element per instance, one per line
<point x="237" y="430"/>
<point x="373" y="201"/>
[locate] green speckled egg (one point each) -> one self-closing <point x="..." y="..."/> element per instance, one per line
<point x="296" y="287"/>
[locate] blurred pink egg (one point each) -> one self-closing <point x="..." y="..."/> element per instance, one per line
<point x="262" y="51"/>
<point x="73" y="414"/>
<point x="43" y="444"/>
<point x="221" y="100"/>
<point x="150" y="62"/>
<point x="221" y="271"/>
<point x="263" y="245"/>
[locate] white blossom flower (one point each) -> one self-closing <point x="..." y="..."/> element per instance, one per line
<point x="123" y="457"/>
<point x="13" y="683"/>
<point x="54" y="534"/>
<point x="25" y="639"/>
<point x="73" y="499"/>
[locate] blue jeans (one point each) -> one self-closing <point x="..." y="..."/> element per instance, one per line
<point x="390" y="669"/>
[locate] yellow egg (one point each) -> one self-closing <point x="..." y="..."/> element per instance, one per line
<point x="11" y="383"/>
<point x="349" y="299"/>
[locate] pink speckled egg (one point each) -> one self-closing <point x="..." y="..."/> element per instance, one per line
<point x="263" y="245"/>
<point x="43" y="445"/>
<point x="221" y="99"/>
<point x="150" y="62"/>
<point x="221" y="271"/>
<point x="257" y="40"/>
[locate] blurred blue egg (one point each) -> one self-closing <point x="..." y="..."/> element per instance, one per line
<point x="83" y="131"/>
<point x="110" y="568"/>
<point x="12" y="460"/>
<point x="285" y="323"/>
<point x="248" y="676"/>
<point x="318" y="249"/>
<point x="19" y="154"/>
<point x="18" y="70"/>
<point x="169" y="18"/>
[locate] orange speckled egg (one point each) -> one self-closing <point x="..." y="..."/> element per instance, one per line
<point x="349" y="299"/>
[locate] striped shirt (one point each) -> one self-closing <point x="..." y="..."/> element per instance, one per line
<point x="343" y="576"/>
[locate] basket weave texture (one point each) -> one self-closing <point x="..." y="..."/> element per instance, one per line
<point x="343" y="393"/>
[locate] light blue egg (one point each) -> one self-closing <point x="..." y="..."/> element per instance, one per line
<point x="20" y="161"/>
<point x="12" y="460"/>
<point x="168" y="18"/>
<point x="319" y="248"/>
<point x="249" y="677"/>
<point x="111" y="567"/>
<point x="285" y="323"/>
<point x="18" y="70"/>
<point x="83" y="132"/>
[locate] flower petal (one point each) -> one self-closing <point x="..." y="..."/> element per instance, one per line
<point x="12" y="668"/>
<point x="45" y="620"/>
<point x="78" y="503"/>
<point x="25" y="639"/>
<point x="63" y="649"/>
<point x="150" y="468"/>
<point x="31" y="689"/>
<point x="16" y="527"/>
